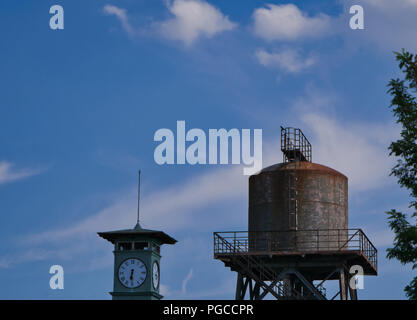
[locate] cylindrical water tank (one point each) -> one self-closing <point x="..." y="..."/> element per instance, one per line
<point x="322" y="208"/>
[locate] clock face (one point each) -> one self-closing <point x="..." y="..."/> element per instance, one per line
<point x="132" y="273"/>
<point x="155" y="275"/>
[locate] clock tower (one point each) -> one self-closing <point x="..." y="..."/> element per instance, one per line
<point x="137" y="255"/>
<point x="136" y="262"/>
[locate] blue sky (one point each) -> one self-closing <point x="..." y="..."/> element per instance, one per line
<point x="79" y="108"/>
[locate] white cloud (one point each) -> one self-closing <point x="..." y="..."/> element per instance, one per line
<point x="289" y="60"/>
<point x="9" y="174"/>
<point x="287" y="22"/>
<point x="121" y="15"/>
<point x="388" y="24"/>
<point x="185" y="282"/>
<point x="194" y="19"/>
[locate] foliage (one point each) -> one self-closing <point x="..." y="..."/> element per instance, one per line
<point x="404" y="107"/>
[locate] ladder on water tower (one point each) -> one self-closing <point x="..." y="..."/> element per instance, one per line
<point x="292" y="196"/>
<point x="295" y="148"/>
<point x="291" y="157"/>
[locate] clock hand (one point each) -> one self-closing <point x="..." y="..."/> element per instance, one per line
<point x="131" y="273"/>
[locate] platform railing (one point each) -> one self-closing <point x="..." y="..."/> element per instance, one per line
<point x="295" y="145"/>
<point x="267" y="242"/>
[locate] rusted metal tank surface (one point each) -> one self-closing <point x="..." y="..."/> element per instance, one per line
<point x="322" y="208"/>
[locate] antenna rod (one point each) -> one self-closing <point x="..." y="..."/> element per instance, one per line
<point x="138" y="195"/>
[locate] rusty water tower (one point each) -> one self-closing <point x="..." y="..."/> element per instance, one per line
<point x="298" y="235"/>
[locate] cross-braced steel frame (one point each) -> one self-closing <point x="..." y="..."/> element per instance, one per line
<point x="288" y="273"/>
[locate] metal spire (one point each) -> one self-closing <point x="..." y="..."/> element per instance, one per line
<point x="137" y="223"/>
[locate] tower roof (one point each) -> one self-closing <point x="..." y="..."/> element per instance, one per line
<point x="135" y="233"/>
<point x="302" y="165"/>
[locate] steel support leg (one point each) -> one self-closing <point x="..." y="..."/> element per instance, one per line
<point x="342" y="284"/>
<point x="241" y="286"/>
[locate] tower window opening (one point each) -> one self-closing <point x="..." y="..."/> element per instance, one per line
<point x="141" y="246"/>
<point x="123" y="246"/>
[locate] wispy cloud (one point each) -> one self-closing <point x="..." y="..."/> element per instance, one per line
<point x="121" y="15"/>
<point x="288" y="60"/>
<point x="8" y="172"/>
<point x="194" y="19"/>
<point x="40" y="253"/>
<point x="387" y="23"/>
<point x="175" y="211"/>
<point x="185" y="282"/>
<point x="224" y="288"/>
